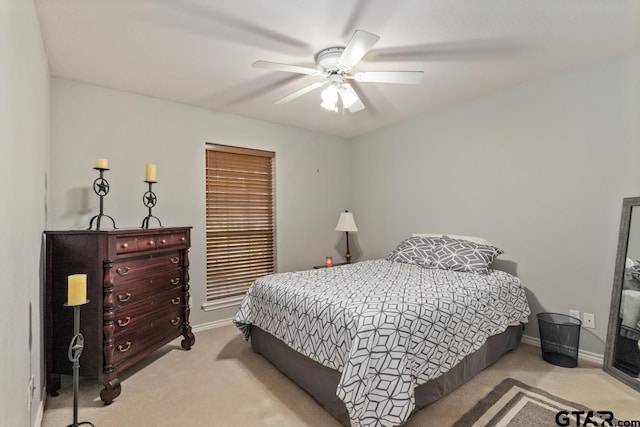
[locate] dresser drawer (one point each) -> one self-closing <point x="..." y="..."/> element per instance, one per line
<point x="130" y="318"/>
<point x="134" y="269"/>
<point x="148" y="333"/>
<point x="128" y="244"/>
<point x="168" y="240"/>
<point x="132" y="292"/>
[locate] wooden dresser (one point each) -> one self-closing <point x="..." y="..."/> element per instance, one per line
<point x="138" y="292"/>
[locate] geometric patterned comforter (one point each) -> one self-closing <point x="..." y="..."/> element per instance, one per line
<point x="388" y="327"/>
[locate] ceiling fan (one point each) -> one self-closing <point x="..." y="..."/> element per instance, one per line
<point x="336" y="64"/>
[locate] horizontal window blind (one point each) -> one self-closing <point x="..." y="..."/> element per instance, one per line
<point x="240" y="220"/>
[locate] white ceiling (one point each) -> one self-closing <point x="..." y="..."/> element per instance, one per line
<point x="199" y="52"/>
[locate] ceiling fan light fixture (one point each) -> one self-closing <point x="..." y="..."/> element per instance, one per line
<point x="330" y="98"/>
<point x="348" y="97"/>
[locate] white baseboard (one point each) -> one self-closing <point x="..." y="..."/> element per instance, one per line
<point x="38" y="421"/>
<point x="211" y="325"/>
<point x="582" y="354"/>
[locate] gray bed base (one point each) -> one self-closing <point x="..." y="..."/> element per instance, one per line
<point x="321" y="382"/>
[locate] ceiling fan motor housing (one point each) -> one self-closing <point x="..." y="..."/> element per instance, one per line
<point x="327" y="59"/>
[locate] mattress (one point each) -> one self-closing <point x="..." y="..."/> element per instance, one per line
<point x="387" y="327"/>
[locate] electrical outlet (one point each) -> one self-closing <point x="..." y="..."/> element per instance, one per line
<point x="574" y="313"/>
<point x="589" y="320"/>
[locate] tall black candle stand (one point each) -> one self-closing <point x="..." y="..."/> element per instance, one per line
<point x="101" y="188"/>
<point x="149" y="199"/>
<point x="75" y="351"/>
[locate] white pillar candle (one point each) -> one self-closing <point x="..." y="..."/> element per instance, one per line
<point x="151" y="173"/>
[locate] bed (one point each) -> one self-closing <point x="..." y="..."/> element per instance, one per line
<point x="375" y="340"/>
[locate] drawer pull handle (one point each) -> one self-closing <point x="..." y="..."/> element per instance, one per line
<point x="125" y="245"/>
<point x="176" y="281"/>
<point x="174" y="259"/>
<point x="175" y="301"/>
<point x="124" y="298"/>
<point x="182" y="239"/>
<point x="124" y="347"/>
<point x="123" y="271"/>
<point x="150" y="243"/>
<point x="175" y="321"/>
<point x="124" y="322"/>
<point x="163" y="241"/>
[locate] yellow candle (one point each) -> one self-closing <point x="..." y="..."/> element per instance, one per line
<point x="151" y="172"/>
<point x="77" y="289"/>
<point x="102" y="164"/>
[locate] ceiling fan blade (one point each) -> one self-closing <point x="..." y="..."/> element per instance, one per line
<point x="459" y="50"/>
<point x="358" y="46"/>
<point x="350" y="98"/>
<point x="300" y="92"/>
<point x="405" y="77"/>
<point x="286" y="67"/>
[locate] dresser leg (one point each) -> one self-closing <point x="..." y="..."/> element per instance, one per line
<point x="110" y="391"/>
<point x="189" y="338"/>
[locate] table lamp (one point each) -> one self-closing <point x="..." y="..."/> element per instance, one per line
<point x="346" y="224"/>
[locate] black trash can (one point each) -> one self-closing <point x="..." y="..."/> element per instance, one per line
<point x="559" y="338"/>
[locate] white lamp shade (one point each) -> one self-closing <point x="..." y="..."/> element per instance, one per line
<point x="346" y="222"/>
<point x="330" y="98"/>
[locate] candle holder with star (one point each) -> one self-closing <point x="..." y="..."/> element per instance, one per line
<point x="101" y="188"/>
<point x="149" y="199"/>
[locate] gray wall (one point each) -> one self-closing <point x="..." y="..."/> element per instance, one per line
<point x="311" y="172"/>
<point x="24" y="158"/>
<point x="539" y="170"/>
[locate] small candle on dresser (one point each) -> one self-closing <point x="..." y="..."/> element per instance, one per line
<point x="151" y="173"/>
<point x="102" y="164"/>
<point x="77" y="289"/>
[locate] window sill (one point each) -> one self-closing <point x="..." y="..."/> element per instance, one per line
<point x="223" y="303"/>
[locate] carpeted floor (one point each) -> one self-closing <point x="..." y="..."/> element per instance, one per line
<point x="221" y="382"/>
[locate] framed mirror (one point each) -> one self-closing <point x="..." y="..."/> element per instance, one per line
<point x="622" y="351"/>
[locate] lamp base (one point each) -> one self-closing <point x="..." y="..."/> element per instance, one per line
<point x="81" y="424"/>
<point x="347" y="256"/>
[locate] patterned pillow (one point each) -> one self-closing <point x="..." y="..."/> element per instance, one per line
<point x="461" y="255"/>
<point x="415" y="250"/>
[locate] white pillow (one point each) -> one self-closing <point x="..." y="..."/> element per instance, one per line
<point x="478" y="240"/>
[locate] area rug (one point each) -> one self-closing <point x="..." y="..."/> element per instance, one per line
<point x="514" y="404"/>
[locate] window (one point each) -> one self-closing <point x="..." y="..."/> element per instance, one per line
<point x="240" y="219"/>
